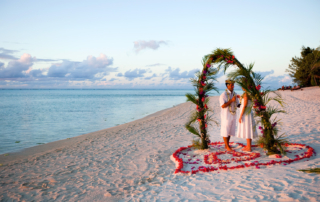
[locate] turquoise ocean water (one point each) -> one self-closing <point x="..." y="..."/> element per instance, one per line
<point x="32" y="117"/>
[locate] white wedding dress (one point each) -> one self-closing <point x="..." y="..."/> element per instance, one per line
<point x="247" y="127"/>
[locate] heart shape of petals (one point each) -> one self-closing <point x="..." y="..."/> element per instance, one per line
<point x="191" y="161"/>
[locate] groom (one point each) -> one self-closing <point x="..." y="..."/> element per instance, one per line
<point x="229" y="102"/>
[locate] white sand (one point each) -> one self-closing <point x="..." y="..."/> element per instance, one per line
<point x="131" y="162"/>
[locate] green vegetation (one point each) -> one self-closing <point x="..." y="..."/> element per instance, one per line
<point x="203" y="84"/>
<point x="305" y="70"/>
<point x="312" y="170"/>
<point x="271" y="140"/>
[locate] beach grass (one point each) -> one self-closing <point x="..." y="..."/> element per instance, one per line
<point x="312" y="170"/>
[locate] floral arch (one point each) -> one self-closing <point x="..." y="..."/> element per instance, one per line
<point x="244" y="77"/>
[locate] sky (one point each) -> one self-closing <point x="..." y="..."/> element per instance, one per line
<point x="147" y="44"/>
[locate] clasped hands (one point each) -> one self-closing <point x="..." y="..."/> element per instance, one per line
<point x="234" y="98"/>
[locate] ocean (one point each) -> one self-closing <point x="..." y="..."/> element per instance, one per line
<point x="32" y="117"/>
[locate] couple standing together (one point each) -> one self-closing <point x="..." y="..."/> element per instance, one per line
<point x="229" y="102"/>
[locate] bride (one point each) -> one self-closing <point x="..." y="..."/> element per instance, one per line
<point x="246" y="127"/>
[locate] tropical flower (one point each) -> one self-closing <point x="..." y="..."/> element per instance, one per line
<point x="258" y="87"/>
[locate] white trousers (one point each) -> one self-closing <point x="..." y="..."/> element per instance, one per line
<point x="228" y="127"/>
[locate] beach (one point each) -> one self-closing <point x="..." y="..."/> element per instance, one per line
<point x="131" y="162"/>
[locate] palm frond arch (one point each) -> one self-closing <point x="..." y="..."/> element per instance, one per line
<point x="222" y="59"/>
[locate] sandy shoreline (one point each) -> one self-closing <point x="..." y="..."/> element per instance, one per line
<point x="132" y="162"/>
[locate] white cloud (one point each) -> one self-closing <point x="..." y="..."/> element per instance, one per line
<point x="275" y="82"/>
<point x="95" y="72"/>
<point x="92" y="68"/>
<point x="141" y="45"/>
<point x="132" y="74"/>
<point x="266" y="73"/>
<point x="7" y="54"/>
<point x="154" y="65"/>
<point x="20" y="72"/>
<point x="286" y="79"/>
<point x="99" y="62"/>
<point x="175" y="74"/>
<point x="17" y="68"/>
<point x="151" y="77"/>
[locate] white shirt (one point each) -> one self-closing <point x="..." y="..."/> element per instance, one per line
<point x="228" y="121"/>
<point x="225" y="113"/>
